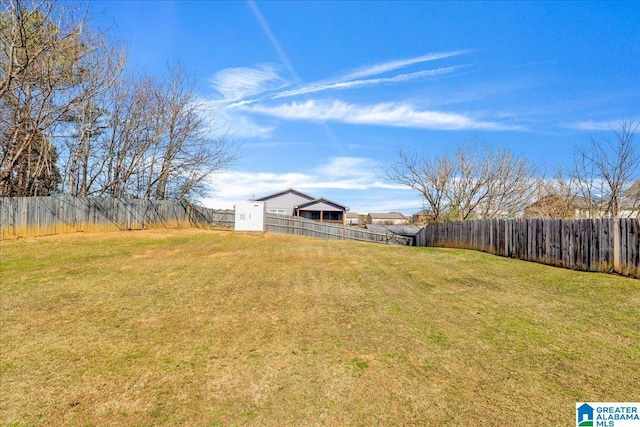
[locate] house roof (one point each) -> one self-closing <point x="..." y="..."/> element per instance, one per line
<point x="288" y="190"/>
<point x="633" y="191"/>
<point x="310" y="199"/>
<point x="388" y="215"/>
<point x="320" y="201"/>
<point x="585" y="203"/>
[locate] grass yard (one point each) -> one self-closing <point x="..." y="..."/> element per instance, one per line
<point x="205" y="328"/>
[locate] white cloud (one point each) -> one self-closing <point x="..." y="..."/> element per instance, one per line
<point x="242" y="126"/>
<point x="360" y="167"/>
<point x="243" y="91"/>
<point x="237" y="83"/>
<point x="239" y="185"/>
<point x="382" y="114"/>
<point x="352" y="84"/>
<point x="402" y="63"/>
<point x="223" y="120"/>
<point x="385" y="201"/>
<point x="591" y="125"/>
<point x="351" y="174"/>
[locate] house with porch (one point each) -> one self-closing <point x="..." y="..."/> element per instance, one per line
<point x="296" y="203"/>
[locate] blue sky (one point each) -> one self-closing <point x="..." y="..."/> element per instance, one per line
<point x="320" y="94"/>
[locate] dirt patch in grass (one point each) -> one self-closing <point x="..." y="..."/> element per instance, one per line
<point x="198" y="327"/>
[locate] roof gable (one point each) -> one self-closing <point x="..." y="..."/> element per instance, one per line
<point x="322" y="204"/>
<point x="284" y="192"/>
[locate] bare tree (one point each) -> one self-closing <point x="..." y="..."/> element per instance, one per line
<point x="555" y="198"/>
<point x="157" y="143"/>
<point x="473" y="182"/>
<point x="430" y="177"/>
<point x="511" y="183"/>
<point x="605" y="169"/>
<point x="87" y="120"/>
<point x="50" y="65"/>
<point x="489" y="183"/>
<point x="130" y="140"/>
<point x="63" y="94"/>
<point x="190" y="153"/>
<point x="39" y="51"/>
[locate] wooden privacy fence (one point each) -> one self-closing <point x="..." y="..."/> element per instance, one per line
<point x="41" y="216"/>
<point x="606" y="245"/>
<point x="305" y="227"/>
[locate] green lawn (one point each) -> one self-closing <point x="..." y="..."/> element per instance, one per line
<point x="206" y="328"/>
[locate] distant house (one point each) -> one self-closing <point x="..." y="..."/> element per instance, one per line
<point x="556" y="206"/>
<point x="553" y="206"/>
<point x="353" y="218"/>
<point x="633" y="192"/>
<point x="588" y="208"/>
<point x="421" y="217"/>
<point x="630" y="206"/>
<point x="387" y="218"/>
<point x="296" y="203"/>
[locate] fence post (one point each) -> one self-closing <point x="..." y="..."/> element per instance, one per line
<point x="616" y="245"/>
<point x="507" y="238"/>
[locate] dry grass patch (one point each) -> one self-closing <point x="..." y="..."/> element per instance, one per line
<point x="196" y="327"/>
